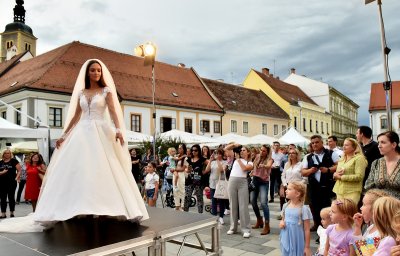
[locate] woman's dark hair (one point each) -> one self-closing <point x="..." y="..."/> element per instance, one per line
<point x="101" y="82"/>
<point x="208" y="152"/>
<point x="183" y="145"/>
<point x="40" y="162"/>
<point x="393" y="138"/>
<point x="196" y="146"/>
<point x="154" y="164"/>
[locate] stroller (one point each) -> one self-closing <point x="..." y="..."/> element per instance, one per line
<point x="169" y="194"/>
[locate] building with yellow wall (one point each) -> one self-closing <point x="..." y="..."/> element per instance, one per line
<point x="248" y="112"/>
<point x="305" y="115"/>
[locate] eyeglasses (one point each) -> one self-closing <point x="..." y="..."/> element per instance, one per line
<point x="292" y="153"/>
<point x="194" y="150"/>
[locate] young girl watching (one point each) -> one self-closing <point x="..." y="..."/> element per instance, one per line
<point x="383" y="213"/>
<point x="172" y="165"/>
<point x="151" y="184"/>
<point x="295" y="223"/>
<point x="340" y="234"/>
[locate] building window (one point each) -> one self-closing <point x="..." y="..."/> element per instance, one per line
<point x="283" y="129"/>
<point x="188" y="125"/>
<point x="217" y="127"/>
<point x="304" y="125"/>
<point x="136" y="124"/>
<point x="9" y="44"/>
<point x="4" y="114"/>
<point x="264" y="129"/>
<point x="310" y="125"/>
<point x="245" y="127"/>
<point x="167" y="124"/>
<point x="322" y="127"/>
<point x="18" y="116"/>
<point x="295" y="122"/>
<point x="327" y="128"/>
<point x="384" y="124"/>
<point x="55" y="117"/>
<point x="399" y="122"/>
<point x="204" y="126"/>
<point x="27" y="47"/>
<point x="276" y="129"/>
<point x="316" y="126"/>
<point x="233" y="126"/>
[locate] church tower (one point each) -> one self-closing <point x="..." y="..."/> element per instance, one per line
<point x="17" y="37"/>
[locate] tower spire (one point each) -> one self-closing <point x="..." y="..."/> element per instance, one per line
<point x="19" y="11"/>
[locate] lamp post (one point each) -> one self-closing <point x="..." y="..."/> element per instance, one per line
<point x="148" y="51"/>
<point x="385" y="52"/>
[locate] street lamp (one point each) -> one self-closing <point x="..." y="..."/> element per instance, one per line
<point x="148" y="51"/>
<point x="387" y="84"/>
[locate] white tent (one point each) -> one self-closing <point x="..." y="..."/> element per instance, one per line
<point x="9" y="130"/>
<point x="262" y="139"/>
<point x="294" y="137"/>
<point x="137" y="137"/>
<point x="232" y="137"/>
<point x="188" y="138"/>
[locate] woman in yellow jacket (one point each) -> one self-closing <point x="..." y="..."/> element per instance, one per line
<point x="350" y="171"/>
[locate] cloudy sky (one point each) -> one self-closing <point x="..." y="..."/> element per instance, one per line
<point x="334" y="41"/>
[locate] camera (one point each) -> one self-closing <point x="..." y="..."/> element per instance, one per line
<point x="237" y="149"/>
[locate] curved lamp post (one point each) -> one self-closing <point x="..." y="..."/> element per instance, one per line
<point x="148" y="51"/>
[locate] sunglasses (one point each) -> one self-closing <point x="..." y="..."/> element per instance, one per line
<point x="194" y="150"/>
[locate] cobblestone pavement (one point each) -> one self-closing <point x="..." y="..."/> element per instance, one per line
<point x="232" y="245"/>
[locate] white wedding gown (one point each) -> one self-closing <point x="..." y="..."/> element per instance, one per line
<point x="89" y="175"/>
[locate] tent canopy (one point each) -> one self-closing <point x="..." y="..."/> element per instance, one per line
<point x="294" y="137"/>
<point x="186" y="137"/>
<point x="137" y="137"/>
<point x="232" y="137"/>
<point x="10" y="130"/>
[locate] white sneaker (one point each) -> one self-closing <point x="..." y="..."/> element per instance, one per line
<point x="221" y="221"/>
<point x="246" y="234"/>
<point x="227" y="212"/>
<point x="230" y="232"/>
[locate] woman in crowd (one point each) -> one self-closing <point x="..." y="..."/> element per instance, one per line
<point x="148" y="157"/>
<point x="292" y="170"/>
<point x="385" y="172"/>
<point x="216" y="167"/>
<point x="10" y="173"/>
<point x="254" y="152"/>
<point x="206" y="153"/>
<point x="135" y="160"/>
<point x="239" y="190"/>
<point x="350" y="171"/>
<point x="195" y="168"/>
<point x="35" y="171"/>
<point x="22" y="181"/>
<point x="260" y="173"/>
<point x="179" y="194"/>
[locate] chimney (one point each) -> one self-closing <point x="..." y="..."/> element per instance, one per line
<point x="292" y="71"/>
<point x="265" y="71"/>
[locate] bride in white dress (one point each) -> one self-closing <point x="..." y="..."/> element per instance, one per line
<point x="90" y="171"/>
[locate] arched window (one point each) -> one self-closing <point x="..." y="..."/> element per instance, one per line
<point x="384" y="123"/>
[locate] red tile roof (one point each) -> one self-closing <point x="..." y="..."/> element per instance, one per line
<point x="57" y="70"/>
<point x="377" y="97"/>
<point x="240" y="99"/>
<point x="288" y="92"/>
<point x="6" y="65"/>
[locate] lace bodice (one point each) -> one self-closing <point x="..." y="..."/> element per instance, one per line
<point x="93" y="108"/>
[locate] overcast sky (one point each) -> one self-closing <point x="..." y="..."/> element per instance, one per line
<point x="336" y="41"/>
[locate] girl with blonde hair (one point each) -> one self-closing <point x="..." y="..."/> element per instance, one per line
<point x="350" y="171"/>
<point x="383" y="213"/>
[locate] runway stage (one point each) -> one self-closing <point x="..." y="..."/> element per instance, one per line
<point x="89" y="236"/>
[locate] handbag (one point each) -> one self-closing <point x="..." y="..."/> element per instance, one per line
<point x="221" y="189"/>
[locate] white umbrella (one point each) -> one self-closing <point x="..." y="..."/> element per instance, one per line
<point x="137" y="137"/>
<point x="186" y="137"/>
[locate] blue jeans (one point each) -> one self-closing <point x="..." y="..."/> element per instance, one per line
<point x="215" y="202"/>
<point x="261" y="188"/>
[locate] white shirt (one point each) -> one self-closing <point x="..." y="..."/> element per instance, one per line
<point x="216" y="173"/>
<point x="293" y="173"/>
<point x="277" y="157"/>
<point x="237" y="170"/>
<point x="314" y="157"/>
<point x="150" y="180"/>
<point x="336" y="154"/>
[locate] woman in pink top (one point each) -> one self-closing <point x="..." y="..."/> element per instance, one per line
<point x="260" y="173"/>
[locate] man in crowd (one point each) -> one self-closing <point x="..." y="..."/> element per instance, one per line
<point x="332" y="144"/>
<point x="319" y="167"/>
<point x="275" y="176"/>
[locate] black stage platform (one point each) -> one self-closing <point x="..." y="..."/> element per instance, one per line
<point x="100" y="236"/>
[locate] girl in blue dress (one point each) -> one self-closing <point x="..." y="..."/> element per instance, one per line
<point x="295" y="223"/>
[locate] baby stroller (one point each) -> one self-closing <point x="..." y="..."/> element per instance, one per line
<point x="169" y="194"/>
<point x="207" y="203"/>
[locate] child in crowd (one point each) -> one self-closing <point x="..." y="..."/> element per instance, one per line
<point x="383" y="213"/>
<point x="395" y="251"/>
<point x="340" y="234"/>
<point x="151" y="184"/>
<point x="325" y="221"/>
<point x="295" y="223"/>
<point x="172" y="165"/>
<point x="366" y="215"/>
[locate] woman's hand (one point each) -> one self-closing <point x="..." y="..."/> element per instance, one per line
<point x="395" y="251"/>
<point x="337" y="176"/>
<point x="282" y="224"/>
<point x="118" y="136"/>
<point x="59" y="142"/>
